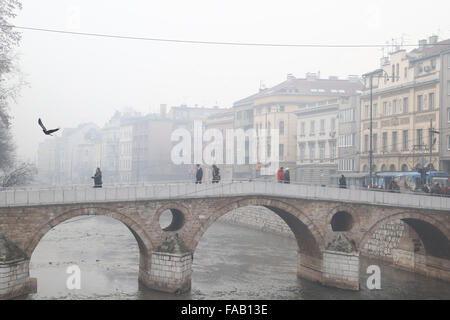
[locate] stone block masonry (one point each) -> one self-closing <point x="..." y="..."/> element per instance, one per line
<point x="341" y="269"/>
<point x="384" y="240"/>
<point x="258" y="218"/>
<point x="15" y="279"/>
<point x="171" y="272"/>
<point x="380" y="244"/>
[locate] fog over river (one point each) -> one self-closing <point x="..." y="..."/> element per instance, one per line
<point x="231" y="262"/>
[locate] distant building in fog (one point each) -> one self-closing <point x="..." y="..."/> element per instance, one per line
<point x="275" y="108"/>
<point x="222" y="121"/>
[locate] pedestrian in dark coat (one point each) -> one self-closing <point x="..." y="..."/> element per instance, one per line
<point x="287" y="176"/>
<point x="216" y="174"/>
<point x="97" y="178"/>
<point x="342" y="182"/>
<point x="199" y="175"/>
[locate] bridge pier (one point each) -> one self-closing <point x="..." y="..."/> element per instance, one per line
<point x="168" y="272"/>
<point x="15" y="278"/>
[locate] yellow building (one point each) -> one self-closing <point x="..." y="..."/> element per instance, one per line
<point x="405" y="109"/>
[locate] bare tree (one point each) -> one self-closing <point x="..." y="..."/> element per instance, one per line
<point x="9" y="87"/>
<point x="21" y="175"/>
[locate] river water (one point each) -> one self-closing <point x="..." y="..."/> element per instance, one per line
<point x="231" y="262"/>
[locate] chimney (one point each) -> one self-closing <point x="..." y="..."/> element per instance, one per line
<point x="422" y="43"/>
<point x="433" y="39"/>
<point x="163" y="110"/>
<point x="290" y="76"/>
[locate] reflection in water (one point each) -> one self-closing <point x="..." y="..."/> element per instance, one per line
<point x="230" y="262"/>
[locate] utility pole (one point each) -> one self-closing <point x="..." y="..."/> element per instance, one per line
<point x="430" y="135"/>
<point x="370" y="138"/>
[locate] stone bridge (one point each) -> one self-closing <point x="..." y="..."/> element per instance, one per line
<point x="331" y="226"/>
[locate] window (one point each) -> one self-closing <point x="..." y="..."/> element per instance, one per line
<point x="366" y="143"/>
<point x="448" y="142"/>
<point x="281" y="128"/>
<point x="332" y="150"/>
<point x="406" y="72"/>
<point x="346" y="140"/>
<point x="419" y="137"/>
<point x="269" y="109"/>
<point x="346" y="165"/>
<point x="431" y="100"/>
<point x="419" y="102"/>
<point x="322" y="151"/>
<point x="322" y="127"/>
<point x="448" y="114"/>
<point x="448" y="87"/>
<point x="333" y="125"/>
<point x="448" y="61"/>
<point x="385" y="138"/>
<point x="281" y="150"/>
<point x="239" y="115"/>
<point x="302" y="152"/>
<point x="367" y="112"/>
<point x="393" y="73"/>
<point x="347" y="115"/>
<point x="394" y="109"/>
<point x="281" y="108"/>
<point x="405" y="140"/>
<point x="392" y="168"/>
<point x="397" y="72"/>
<point x="302" y="129"/>
<point x="394" y="141"/>
<point x="375" y="110"/>
<point x="312" y="152"/>
<point x="405" y="105"/>
<point x="433" y="64"/>
<point x="385" y="109"/>
<point x="312" y="128"/>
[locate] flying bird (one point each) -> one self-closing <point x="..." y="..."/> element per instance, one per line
<point x="47" y="132"/>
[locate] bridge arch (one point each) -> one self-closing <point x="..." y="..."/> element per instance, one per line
<point x="144" y="242"/>
<point x="433" y="234"/>
<point x="309" y="238"/>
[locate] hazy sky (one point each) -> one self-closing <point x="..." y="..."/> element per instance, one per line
<point x="74" y="79"/>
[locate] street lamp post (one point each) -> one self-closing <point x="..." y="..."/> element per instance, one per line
<point x="379" y="73"/>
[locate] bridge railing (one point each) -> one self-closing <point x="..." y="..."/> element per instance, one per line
<point x="63" y="195"/>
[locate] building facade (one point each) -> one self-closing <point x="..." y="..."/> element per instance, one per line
<point x="406" y="110"/>
<point x="317" y="136"/>
<point x="275" y="109"/>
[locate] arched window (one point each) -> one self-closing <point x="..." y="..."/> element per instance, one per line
<point x="366" y="168"/>
<point x="392" y="168"/>
<point x="383" y="168"/>
<point x="404" y="168"/>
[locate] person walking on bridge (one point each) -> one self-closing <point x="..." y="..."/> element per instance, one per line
<point x="342" y="182"/>
<point x="280" y="175"/>
<point x="287" y="176"/>
<point x="97" y="178"/>
<point x="199" y="175"/>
